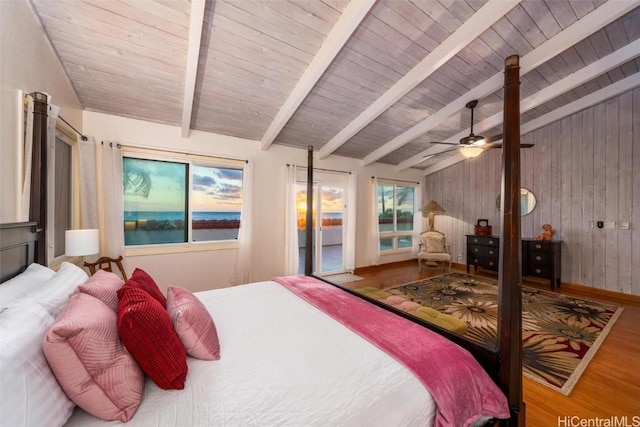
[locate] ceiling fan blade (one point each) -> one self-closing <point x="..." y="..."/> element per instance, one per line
<point x="443" y="142"/>
<point x="499" y="145"/>
<point x="440" y="152"/>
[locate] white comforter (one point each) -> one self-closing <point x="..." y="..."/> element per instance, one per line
<point x="283" y="363"/>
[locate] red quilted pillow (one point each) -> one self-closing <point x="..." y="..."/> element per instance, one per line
<point x="142" y="280"/>
<point x="147" y="332"/>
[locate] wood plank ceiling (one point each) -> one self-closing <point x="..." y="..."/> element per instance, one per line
<point x="373" y="80"/>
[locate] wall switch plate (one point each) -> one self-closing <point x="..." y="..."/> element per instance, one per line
<point x="625" y="226"/>
<point x="610" y="225"/>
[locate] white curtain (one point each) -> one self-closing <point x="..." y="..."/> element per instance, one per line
<point x="374" y="236"/>
<point x="110" y="200"/>
<point x="26" y="171"/>
<point x="52" y="118"/>
<point x="417" y="220"/>
<point x="292" y="251"/>
<point x="242" y="268"/>
<point x="350" y="240"/>
<point x="88" y="183"/>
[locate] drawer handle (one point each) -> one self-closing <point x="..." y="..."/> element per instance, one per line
<point x="491" y="242"/>
<point x="490" y="252"/>
<point x="476" y="249"/>
<point x="538" y="258"/>
<point x="475" y="240"/>
<point x="538" y="246"/>
<point x="490" y="262"/>
<point x="475" y="260"/>
<point x="538" y="271"/>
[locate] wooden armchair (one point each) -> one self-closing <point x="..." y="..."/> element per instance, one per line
<point x="105" y="263"/>
<point x="433" y="248"/>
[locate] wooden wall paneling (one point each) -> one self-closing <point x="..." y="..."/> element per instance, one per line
<point x="611" y="199"/>
<point x="543" y="144"/>
<point x="576" y="197"/>
<point x="565" y="197"/>
<point x="599" y="188"/>
<point x="556" y="184"/>
<point x="528" y="180"/>
<point x="635" y="219"/>
<point x="587" y="221"/>
<point x="625" y="202"/>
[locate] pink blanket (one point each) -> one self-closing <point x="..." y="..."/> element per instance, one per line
<point x="460" y="387"/>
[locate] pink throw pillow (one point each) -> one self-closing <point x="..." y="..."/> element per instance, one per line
<point x="147" y="332"/>
<point x="141" y="279"/>
<point x="103" y="285"/>
<point x="193" y="324"/>
<point x="85" y="354"/>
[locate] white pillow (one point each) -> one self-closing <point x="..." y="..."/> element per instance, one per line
<point x="54" y="293"/>
<point x="24" y="283"/>
<point x="31" y="396"/>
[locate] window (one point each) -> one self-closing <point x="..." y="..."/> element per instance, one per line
<point x="180" y="201"/>
<point x="396" y="207"/>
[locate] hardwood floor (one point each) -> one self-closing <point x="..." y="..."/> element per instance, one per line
<point x="610" y="385"/>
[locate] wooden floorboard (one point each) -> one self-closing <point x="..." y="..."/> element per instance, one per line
<point x="610" y="385"/>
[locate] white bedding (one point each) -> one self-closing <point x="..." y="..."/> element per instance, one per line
<point x="285" y="363"/>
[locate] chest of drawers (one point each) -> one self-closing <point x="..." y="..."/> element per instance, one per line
<point x="539" y="258"/>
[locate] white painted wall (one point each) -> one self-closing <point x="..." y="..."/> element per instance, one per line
<point x="29" y="64"/>
<point x="205" y="270"/>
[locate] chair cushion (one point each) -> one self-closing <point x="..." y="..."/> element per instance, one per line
<point x="435" y="243"/>
<point x="434" y="257"/>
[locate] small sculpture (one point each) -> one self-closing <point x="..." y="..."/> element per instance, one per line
<point x="547" y="233"/>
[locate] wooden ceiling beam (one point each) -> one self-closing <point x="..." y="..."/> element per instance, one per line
<point x="560" y="87"/>
<point x="583" y="103"/>
<point x="196" y="20"/>
<point x="354" y="13"/>
<point x="472" y="28"/>
<point x="571" y="35"/>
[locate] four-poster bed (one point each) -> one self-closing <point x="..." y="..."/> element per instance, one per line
<point x="23" y="244"/>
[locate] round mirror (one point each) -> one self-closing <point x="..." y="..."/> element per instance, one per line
<point x="527" y="202"/>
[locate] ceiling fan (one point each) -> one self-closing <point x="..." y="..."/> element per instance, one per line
<point x="476" y="143"/>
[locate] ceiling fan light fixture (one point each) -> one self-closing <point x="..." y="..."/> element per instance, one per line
<point x="471" y="152"/>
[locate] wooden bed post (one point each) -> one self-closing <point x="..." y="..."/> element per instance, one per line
<point x="308" y="253"/>
<point x="510" y="275"/>
<point x="38" y="194"/>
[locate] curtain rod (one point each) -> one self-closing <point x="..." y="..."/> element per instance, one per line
<point x="84" y="138"/>
<point x="397" y="180"/>
<point x="321" y="169"/>
<point x="178" y="152"/>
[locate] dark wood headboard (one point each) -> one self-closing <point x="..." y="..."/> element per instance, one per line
<point x="17" y="248"/>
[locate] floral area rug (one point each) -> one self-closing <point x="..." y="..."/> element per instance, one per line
<point x="560" y="333"/>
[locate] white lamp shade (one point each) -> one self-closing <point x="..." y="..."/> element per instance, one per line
<point x="82" y="242"/>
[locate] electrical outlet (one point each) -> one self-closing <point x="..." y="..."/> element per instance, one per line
<point x="625" y="226"/>
<point x="459" y="257"/>
<point x="610" y="225"/>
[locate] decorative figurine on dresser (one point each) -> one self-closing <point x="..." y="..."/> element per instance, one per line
<point x="540" y="257"/>
<point x="547" y="232"/>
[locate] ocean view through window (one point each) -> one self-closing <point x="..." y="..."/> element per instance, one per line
<point x="174" y="201"/>
<point x="396" y="209"/>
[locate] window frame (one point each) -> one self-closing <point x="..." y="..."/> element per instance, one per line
<point x="190" y="160"/>
<point x="395" y="235"/>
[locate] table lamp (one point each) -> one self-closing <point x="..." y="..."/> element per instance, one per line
<point x="81" y="242"/>
<point x="431" y="208"/>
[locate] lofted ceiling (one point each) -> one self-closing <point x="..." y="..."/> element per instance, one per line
<point x="372" y="80"/>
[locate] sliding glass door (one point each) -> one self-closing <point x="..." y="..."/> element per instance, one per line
<point x="328" y="232"/>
